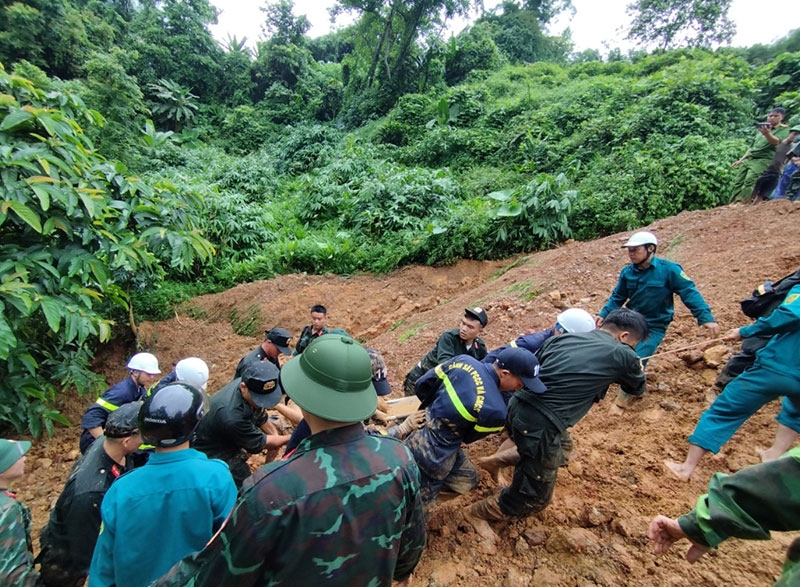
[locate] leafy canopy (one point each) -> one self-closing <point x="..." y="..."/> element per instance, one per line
<point x="675" y="23"/>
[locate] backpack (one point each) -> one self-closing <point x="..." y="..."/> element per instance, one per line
<point x="768" y="296"/>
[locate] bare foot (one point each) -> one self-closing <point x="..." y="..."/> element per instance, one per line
<point x="482" y="527"/>
<point x="680" y="470"/>
<point x="615" y="410"/>
<point x="767" y="454"/>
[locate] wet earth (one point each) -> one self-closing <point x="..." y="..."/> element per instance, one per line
<point x="594" y="532"/>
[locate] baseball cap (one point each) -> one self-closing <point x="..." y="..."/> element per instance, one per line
<point x="261" y="378"/>
<point x="124" y="421"/>
<point x="478" y="314"/>
<point x="379" y="373"/>
<point x="280" y="338"/>
<point x="524" y="365"/>
<point x="332" y="379"/>
<point x="11" y="451"/>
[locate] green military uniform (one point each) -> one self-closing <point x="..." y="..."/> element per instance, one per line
<point x="338" y="489"/>
<point x="750" y="504"/>
<point x="758" y="159"/>
<point x="448" y="346"/>
<point x="16" y="552"/>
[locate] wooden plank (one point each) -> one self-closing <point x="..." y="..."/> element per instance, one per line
<point x="402" y="407"/>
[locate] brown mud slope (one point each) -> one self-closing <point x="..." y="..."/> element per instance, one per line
<point x="594" y="532"/>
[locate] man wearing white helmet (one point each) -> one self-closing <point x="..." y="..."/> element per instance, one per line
<point x="648" y="285"/>
<point x="570" y="320"/>
<point x="143" y="369"/>
<point x="191" y="370"/>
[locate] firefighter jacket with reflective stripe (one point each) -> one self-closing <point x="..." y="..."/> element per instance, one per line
<point x="467" y="396"/>
<point x="124" y="392"/>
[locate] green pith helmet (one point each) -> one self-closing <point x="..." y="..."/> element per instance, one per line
<point x="332" y="379"/>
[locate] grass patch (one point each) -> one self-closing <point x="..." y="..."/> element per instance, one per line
<point x="502" y="271"/>
<point x="413" y="332"/>
<point x="247" y="323"/>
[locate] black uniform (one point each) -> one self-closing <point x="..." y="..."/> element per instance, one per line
<point x="577" y="370"/>
<point x="230" y="430"/>
<point x="68" y="539"/>
<point x="448" y="346"/>
<point x="254" y="356"/>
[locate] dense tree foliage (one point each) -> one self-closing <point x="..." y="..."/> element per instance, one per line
<point x="675" y="23"/>
<point x="133" y="147"/>
<point x="75" y="234"/>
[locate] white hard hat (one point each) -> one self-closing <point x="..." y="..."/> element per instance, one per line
<point x="641" y="238"/>
<point x="575" y="320"/>
<point x="144" y="362"/>
<point x="193" y="371"/>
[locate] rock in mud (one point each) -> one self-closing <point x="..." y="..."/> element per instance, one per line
<point x="573" y="540"/>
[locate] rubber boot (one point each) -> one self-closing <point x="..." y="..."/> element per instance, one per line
<point x="489" y="509"/>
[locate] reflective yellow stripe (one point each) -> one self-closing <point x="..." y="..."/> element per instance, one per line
<point x="487" y="429"/>
<point x="107" y="405"/>
<point x="146" y="446"/>
<point x="453" y="396"/>
<point x="513" y="344"/>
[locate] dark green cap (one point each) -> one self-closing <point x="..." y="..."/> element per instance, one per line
<point x="332" y="379"/>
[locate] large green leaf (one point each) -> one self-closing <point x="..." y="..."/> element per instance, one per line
<point x="24" y="212"/>
<point x="52" y="311"/>
<point x="16" y="119"/>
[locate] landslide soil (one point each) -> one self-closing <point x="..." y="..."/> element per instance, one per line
<point x="594" y="532"/>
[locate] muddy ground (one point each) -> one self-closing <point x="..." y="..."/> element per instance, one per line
<point x="594" y="532"/>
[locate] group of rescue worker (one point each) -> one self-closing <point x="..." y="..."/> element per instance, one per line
<point x="166" y="467"/>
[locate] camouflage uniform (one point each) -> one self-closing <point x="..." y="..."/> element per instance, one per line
<point x="16" y="552"/>
<point x="749" y="504"/>
<point x="343" y="509"/>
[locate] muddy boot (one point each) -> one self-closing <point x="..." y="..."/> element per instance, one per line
<point x="495" y="463"/>
<point x="488" y="509"/>
<point x="479" y="514"/>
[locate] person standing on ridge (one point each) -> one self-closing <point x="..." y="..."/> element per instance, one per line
<point x="757" y="158"/>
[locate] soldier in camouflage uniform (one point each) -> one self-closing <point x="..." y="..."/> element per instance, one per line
<point x="343" y="509"/>
<point x="16" y="553"/>
<point x="748" y="504"/>
<point x="68" y="539"/>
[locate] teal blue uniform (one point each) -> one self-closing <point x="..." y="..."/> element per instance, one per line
<point x="650" y="292"/>
<point x="155" y="515"/>
<point x="775" y="373"/>
<point x="750" y="504"/>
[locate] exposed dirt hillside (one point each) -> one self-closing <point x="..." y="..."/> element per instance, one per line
<point x="594" y="532"/>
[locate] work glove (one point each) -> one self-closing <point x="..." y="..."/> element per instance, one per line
<point x="413" y="422"/>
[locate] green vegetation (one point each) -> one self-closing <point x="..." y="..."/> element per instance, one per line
<point x="144" y="164"/>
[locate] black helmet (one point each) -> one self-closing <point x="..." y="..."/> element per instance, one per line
<point x="170" y="415"/>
